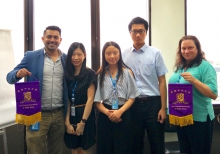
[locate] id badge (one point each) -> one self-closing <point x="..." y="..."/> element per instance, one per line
<point x="114" y="103"/>
<point x="73" y="111"/>
<point x="35" y="127"/>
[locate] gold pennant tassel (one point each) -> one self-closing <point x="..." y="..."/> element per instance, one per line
<point x="181" y="121"/>
<point x="28" y="120"/>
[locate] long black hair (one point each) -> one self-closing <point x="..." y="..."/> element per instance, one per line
<point x="120" y="63"/>
<point x="70" y="69"/>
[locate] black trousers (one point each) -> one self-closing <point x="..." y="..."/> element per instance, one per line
<point x="196" y="138"/>
<point x="144" y="117"/>
<point x="114" y="138"/>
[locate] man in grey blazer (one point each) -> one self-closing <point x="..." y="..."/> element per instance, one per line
<point x="46" y="65"/>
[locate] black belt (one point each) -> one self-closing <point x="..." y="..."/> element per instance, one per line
<point x="145" y="99"/>
<point x="53" y="110"/>
<point x="110" y="107"/>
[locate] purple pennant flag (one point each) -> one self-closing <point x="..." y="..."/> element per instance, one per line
<point x="28" y="102"/>
<point x="180" y="99"/>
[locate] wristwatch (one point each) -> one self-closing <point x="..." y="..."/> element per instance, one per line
<point x="84" y="120"/>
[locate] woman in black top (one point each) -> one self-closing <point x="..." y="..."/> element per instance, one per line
<point x="80" y="120"/>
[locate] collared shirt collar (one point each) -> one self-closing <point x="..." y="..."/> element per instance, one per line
<point x="143" y="48"/>
<point x="59" y="51"/>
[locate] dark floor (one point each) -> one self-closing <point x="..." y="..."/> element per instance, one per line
<point x="15" y="140"/>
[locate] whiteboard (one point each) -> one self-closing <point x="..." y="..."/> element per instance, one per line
<point x="7" y="92"/>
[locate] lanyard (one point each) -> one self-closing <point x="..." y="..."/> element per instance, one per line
<point x="178" y="81"/>
<point x="34" y="77"/>
<point x="114" y="98"/>
<point x="113" y="82"/>
<point x="73" y="92"/>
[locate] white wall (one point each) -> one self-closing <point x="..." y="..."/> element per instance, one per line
<point x="167" y="27"/>
<point x="7" y="93"/>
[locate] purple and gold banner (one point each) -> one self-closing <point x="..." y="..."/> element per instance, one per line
<point x="28" y="102"/>
<point x="180" y="104"/>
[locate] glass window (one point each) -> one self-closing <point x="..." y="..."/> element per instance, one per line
<point x="115" y="16"/>
<point x="11" y="45"/>
<point x="73" y="18"/>
<point x="202" y="21"/>
<point x="14" y="21"/>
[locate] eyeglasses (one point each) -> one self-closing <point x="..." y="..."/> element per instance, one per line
<point x="141" y="32"/>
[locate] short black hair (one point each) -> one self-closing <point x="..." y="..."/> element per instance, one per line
<point x="138" y="20"/>
<point x="53" y="28"/>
